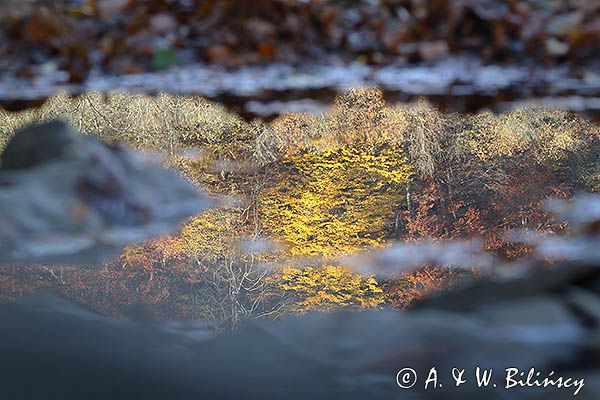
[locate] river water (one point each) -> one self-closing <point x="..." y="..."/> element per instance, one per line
<point x="459" y="83"/>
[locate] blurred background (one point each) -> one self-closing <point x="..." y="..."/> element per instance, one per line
<point x="264" y="57"/>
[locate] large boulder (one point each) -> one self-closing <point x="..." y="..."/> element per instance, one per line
<point x="69" y="198"/>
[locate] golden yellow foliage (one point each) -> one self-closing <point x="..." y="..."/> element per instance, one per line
<point x="212" y="234"/>
<point x="206" y="237"/>
<point x="329" y="287"/>
<point x="336" y="201"/>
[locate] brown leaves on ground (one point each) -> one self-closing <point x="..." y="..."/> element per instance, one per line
<point x="125" y="36"/>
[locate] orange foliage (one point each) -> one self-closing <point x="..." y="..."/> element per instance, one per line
<point x="422" y="283"/>
<point x="433" y="218"/>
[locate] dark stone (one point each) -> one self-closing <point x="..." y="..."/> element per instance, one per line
<point x="38" y="144"/>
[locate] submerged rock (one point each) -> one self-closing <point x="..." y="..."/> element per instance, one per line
<point x="70" y="352"/>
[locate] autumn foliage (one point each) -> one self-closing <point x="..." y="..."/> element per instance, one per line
<point x="335" y="201"/>
<point x="303" y="191"/>
<point x="328" y="287"/>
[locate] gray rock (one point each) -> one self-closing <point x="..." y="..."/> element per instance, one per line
<point x="53" y="349"/>
<point x="68" y="198"/>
